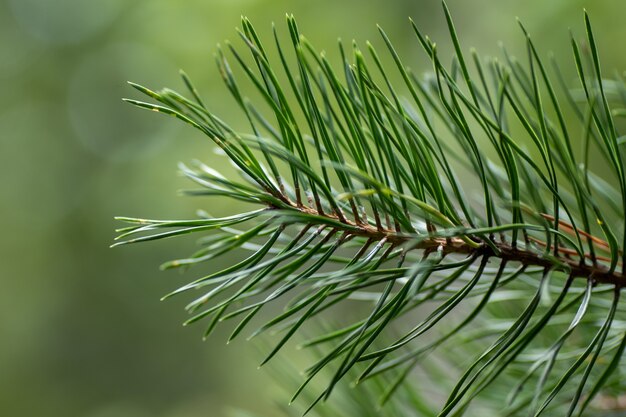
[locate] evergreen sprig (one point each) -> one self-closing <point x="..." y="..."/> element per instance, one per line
<point x="519" y="259"/>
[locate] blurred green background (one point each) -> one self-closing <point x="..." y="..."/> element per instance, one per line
<point x="82" y="331"/>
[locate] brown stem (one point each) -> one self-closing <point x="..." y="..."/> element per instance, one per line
<point x="598" y="273"/>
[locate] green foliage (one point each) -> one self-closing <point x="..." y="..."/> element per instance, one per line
<point x="466" y="216"/>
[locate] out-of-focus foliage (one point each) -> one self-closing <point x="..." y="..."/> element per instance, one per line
<point x="82" y="330"/>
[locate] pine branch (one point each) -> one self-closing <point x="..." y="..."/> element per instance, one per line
<point x="452" y="243"/>
<point x="359" y="197"/>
